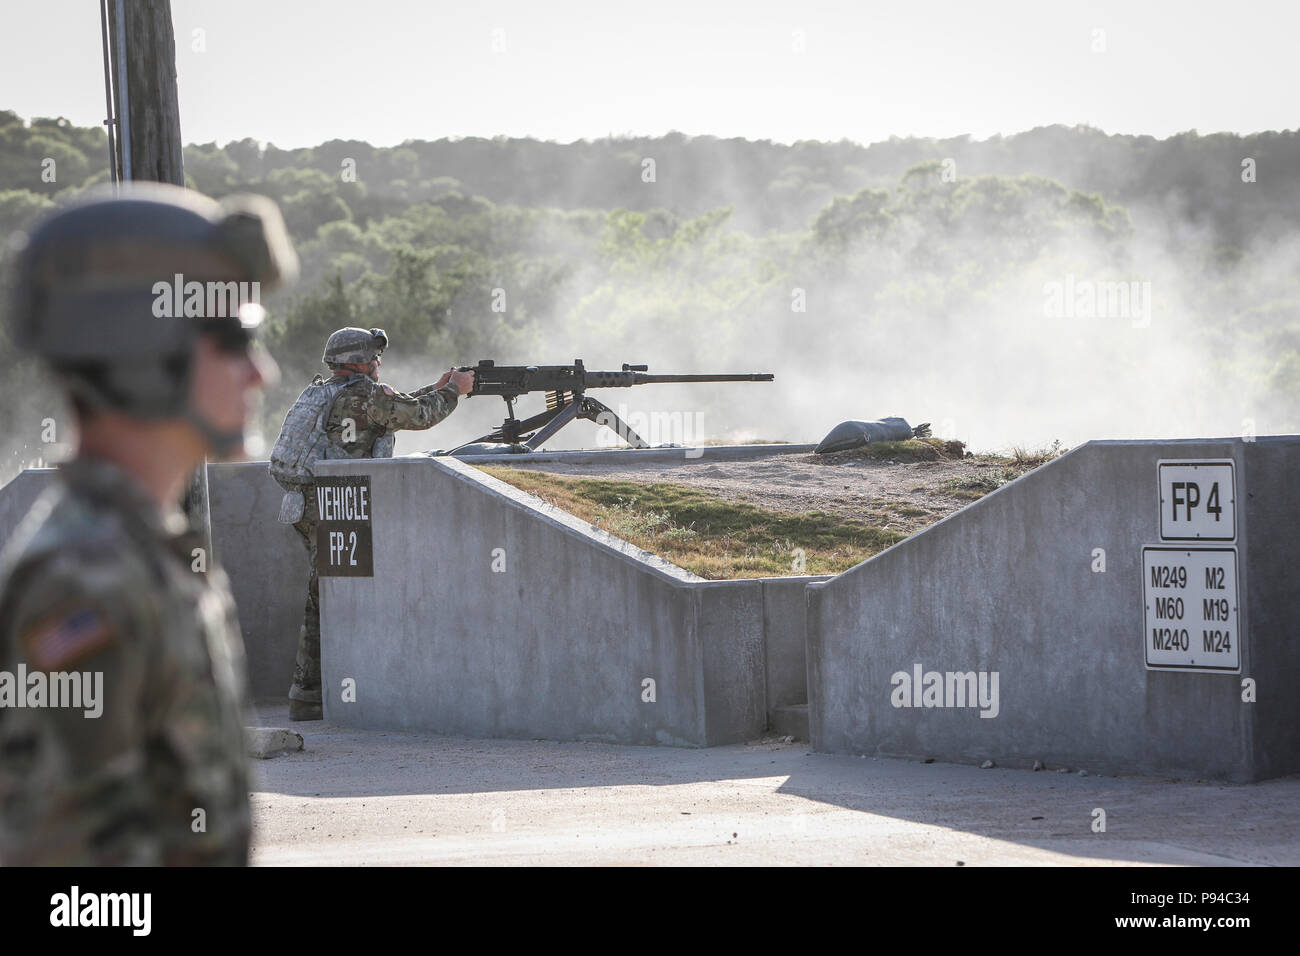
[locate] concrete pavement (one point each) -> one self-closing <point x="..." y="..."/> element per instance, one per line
<point x="356" y="798"/>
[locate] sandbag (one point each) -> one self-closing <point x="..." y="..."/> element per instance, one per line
<point x="849" y="435"/>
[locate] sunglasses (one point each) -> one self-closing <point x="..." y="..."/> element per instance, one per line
<point x="235" y="334"/>
<point x="229" y="336"/>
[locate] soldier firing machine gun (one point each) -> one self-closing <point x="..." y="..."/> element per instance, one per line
<point x="566" y="399"/>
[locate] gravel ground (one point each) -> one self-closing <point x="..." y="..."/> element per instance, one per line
<point x="903" y="496"/>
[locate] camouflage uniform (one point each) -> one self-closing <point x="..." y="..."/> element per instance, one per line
<point x="98" y="580"/>
<point x="373" y="412"/>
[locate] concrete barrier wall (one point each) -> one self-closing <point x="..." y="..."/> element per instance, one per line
<point x="1012" y="585"/>
<point x="738" y="646"/>
<point x="267" y="566"/>
<point x="266" y="563"/>
<point x="558" y="644"/>
<point x="1273" y="568"/>
<point x="785" y="639"/>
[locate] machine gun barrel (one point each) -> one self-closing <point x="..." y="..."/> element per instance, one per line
<point x="626" y="379"/>
<point x="511" y="381"/>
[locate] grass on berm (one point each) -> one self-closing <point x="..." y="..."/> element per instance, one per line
<point x="719" y="539"/>
<point x="707" y="535"/>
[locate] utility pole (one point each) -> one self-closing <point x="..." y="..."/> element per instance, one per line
<point x="149" y="142"/>
<point x="152" y="108"/>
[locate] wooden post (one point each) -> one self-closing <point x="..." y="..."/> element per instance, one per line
<point x="151" y="86"/>
<point x="153" y="115"/>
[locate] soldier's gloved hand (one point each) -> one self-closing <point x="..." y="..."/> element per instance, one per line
<point x="464" y="381"/>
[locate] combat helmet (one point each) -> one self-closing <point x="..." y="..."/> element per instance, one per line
<point x="113" y="291"/>
<point x="353" y="346"/>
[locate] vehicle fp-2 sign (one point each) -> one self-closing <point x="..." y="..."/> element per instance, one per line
<point x="343" y="542"/>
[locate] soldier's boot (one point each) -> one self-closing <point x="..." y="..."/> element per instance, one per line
<point x="304" y="695"/>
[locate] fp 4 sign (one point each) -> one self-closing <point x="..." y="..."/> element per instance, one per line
<point x="1198" y="500"/>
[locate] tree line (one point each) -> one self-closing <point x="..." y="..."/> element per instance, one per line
<point x="473" y="247"/>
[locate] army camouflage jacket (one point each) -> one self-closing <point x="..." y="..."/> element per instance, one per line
<point x="97" y="582"/>
<point x="366" y="413"/>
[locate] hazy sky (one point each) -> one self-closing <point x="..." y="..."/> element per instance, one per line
<point x="297" y="73"/>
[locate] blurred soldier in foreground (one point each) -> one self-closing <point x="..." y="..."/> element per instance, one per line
<point x="349" y="416"/>
<point x="105" y="595"/>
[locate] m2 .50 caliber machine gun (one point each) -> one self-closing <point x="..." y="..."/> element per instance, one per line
<point x="566" y="399"/>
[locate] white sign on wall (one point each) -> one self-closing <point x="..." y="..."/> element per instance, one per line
<point x="1198" y="500"/>
<point x="1191" y="609"/>
<point x="1190" y="592"/>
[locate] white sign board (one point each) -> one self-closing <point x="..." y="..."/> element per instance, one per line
<point x="1198" y="500"/>
<point x="1191" y="609"/>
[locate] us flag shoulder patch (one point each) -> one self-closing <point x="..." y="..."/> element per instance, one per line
<point x="57" y="641"/>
